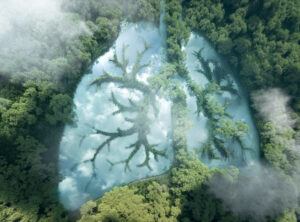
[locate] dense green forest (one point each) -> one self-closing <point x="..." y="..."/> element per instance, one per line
<point x="260" y="39"/>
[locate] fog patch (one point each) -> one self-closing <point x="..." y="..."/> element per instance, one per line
<point x="260" y="191"/>
<point x="33" y="35"/>
<point x="272" y="105"/>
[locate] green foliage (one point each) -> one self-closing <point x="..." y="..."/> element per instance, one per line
<point x="144" y="10"/>
<point x="27" y="185"/>
<point x="38" y="104"/>
<point x="162" y="83"/>
<point x="184" y="198"/>
<point x="229" y="128"/>
<point x="119" y="205"/>
<point x="4" y="103"/>
<point x="275" y="146"/>
<point x="149" y="201"/>
<point x="288" y="216"/>
<point x="214" y="108"/>
<point x="177" y="34"/>
<point x="60" y="109"/>
<point x="188" y="184"/>
<point x="179" y="120"/>
<point x="188" y="175"/>
<point x="159" y="198"/>
<point x="133" y="10"/>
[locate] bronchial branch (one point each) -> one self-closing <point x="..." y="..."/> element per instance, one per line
<point x="140" y="123"/>
<point x="219" y="123"/>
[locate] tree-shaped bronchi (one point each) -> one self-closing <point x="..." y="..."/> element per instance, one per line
<point x="139" y="112"/>
<point x="223" y="131"/>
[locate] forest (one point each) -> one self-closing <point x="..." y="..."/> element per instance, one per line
<point x="43" y="64"/>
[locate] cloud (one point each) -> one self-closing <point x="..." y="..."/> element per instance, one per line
<point x="261" y="191"/>
<point x="272" y="105"/>
<point x="34" y="32"/>
<point x="258" y="192"/>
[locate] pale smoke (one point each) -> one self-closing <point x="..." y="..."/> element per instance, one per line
<point x="259" y="190"/>
<point x="272" y="105"/>
<point x="32" y="32"/>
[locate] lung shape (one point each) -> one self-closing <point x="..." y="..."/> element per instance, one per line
<point x="123" y="129"/>
<point x="222" y="131"/>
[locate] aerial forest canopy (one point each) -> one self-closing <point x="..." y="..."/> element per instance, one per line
<point x="196" y="118"/>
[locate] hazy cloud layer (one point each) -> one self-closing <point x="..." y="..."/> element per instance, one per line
<point x="261" y="191"/>
<point x="32" y="32"/>
<point x="272" y="105"/>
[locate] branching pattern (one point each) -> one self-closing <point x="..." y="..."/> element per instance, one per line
<point x="222" y="129"/>
<point x="140" y="124"/>
<point x="217" y="75"/>
<point x="215" y="112"/>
